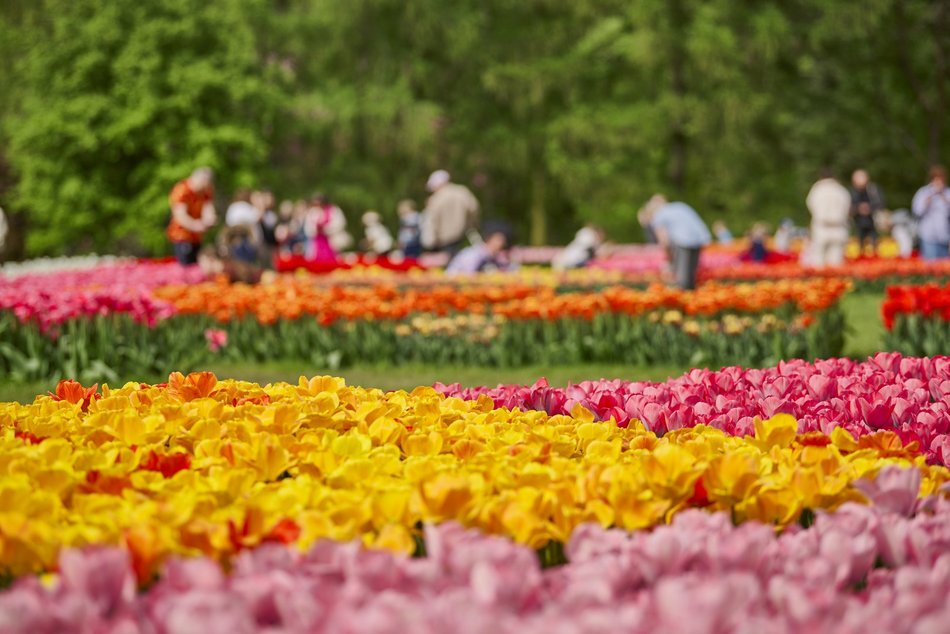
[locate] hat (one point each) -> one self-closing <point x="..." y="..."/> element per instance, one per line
<point x="437" y="179"/>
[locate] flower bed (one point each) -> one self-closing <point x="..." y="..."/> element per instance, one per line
<point x="917" y="319"/>
<point x="860" y="569"/>
<point x="201" y="466"/>
<point x="907" y="396"/>
<point x="867" y="274"/>
<point x="202" y="505"/>
<point x="106" y="333"/>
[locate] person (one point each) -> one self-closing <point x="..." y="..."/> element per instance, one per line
<point x="215" y="260"/>
<point x="580" y="251"/>
<point x="192" y="214"/>
<point x="377" y="239"/>
<point x="451" y="212"/>
<point x="487" y="255"/>
<point x="866" y="201"/>
<point x="241" y="212"/>
<point x="237" y="243"/>
<point x="409" y="238"/>
<point x="931" y="205"/>
<point x="784" y="236"/>
<point x="323" y="227"/>
<point x="722" y="233"/>
<point x="263" y="201"/>
<point x="830" y="206"/>
<point x="643" y="217"/>
<point x="681" y="231"/>
<point x="757" y="251"/>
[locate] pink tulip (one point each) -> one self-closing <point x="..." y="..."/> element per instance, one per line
<point x="216" y="338"/>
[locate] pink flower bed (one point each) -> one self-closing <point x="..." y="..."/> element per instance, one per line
<point x="651" y="259"/>
<point x="881" y="568"/>
<point x="53" y="298"/>
<point x="910" y="396"/>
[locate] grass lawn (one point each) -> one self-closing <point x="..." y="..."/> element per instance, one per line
<point x="864" y="337"/>
<point x="865" y="334"/>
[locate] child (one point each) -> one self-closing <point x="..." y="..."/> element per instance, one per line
<point x="377" y="240"/>
<point x="757" y="249"/>
<point x="325" y="228"/>
<point x="410" y="229"/>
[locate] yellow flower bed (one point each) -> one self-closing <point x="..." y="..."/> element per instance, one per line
<point x="202" y="466"/>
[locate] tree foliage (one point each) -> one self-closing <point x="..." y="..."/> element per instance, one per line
<point x="556" y="113"/>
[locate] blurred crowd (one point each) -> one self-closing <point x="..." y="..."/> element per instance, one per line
<point x="257" y="230"/>
<point x="836" y="211"/>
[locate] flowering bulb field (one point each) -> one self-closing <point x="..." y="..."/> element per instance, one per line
<point x="771" y="495"/>
<point x="139" y="319"/>
<point x="201" y="504"/>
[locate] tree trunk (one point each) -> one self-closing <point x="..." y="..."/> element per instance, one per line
<point x="537" y="212"/>
<point x="678" y="140"/>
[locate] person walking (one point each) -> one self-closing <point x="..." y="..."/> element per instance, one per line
<point x="451" y="212"/>
<point x="192" y="214"/>
<point x="681" y="231"/>
<point x="931" y="205"/>
<point x="867" y="201"/>
<point x="830" y="205"/>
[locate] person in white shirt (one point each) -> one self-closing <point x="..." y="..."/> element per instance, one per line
<point x="580" y="251"/>
<point x="931" y="206"/>
<point x="830" y="205"/>
<point x="241" y="211"/>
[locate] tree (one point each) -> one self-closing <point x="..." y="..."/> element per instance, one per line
<point x="121" y="101"/>
<point x="556" y="113"/>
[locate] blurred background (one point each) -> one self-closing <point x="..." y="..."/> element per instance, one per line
<point x="554" y="112"/>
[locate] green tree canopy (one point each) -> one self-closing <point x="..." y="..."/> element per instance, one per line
<point x="556" y="113"/>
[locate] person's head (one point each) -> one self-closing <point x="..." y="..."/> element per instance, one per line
<point x="719" y="227"/>
<point x="300" y="208"/>
<point x="406" y="207"/>
<point x="201" y="179"/>
<point x="371" y="219"/>
<point x="649" y="210"/>
<point x="319" y="199"/>
<point x="938" y="176"/>
<point x="496" y="242"/>
<point x="286" y="209"/>
<point x="860" y="179"/>
<point x="437" y="180"/>
<point x="266" y="199"/>
<point x="242" y="195"/>
<point x="759" y="231"/>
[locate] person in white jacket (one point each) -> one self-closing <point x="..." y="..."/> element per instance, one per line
<point x="830" y="205"/>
